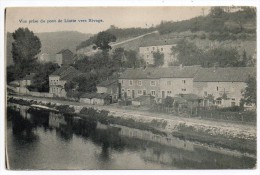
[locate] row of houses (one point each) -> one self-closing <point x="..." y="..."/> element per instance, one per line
<point x="223" y="85"/>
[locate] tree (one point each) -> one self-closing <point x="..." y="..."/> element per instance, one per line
<point x="217" y="12"/>
<point x="249" y="93"/>
<point x="103" y="39"/>
<point x="132" y="59"/>
<point x="25" y="48"/>
<point x="188" y="53"/>
<point x="118" y="56"/>
<point x="158" y="58"/>
<point x="41" y="78"/>
<point x="168" y="101"/>
<point x="224" y="57"/>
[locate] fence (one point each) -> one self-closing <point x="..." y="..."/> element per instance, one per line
<point x="209" y="113"/>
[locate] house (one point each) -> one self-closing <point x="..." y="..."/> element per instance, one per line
<point x="96" y="98"/>
<point x="58" y="79"/>
<point x="158" y="82"/>
<point x="163" y="46"/>
<point x="64" y="57"/>
<point x="21" y="86"/>
<point x="177" y="80"/>
<point x="136" y="82"/>
<point x="109" y="87"/>
<point x="144" y="100"/>
<point x="223" y="85"/>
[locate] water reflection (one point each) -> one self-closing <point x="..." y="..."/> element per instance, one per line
<point x="56" y="141"/>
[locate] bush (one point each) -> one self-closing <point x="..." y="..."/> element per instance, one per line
<point x="65" y="109"/>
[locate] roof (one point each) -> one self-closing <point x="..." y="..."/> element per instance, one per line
<point x="63" y="50"/>
<point x="163" y="72"/>
<point x="29" y="77"/>
<point x="228" y="74"/>
<point x="147" y="43"/>
<point x="66" y="73"/>
<point x="107" y="83"/>
<point x="95" y="95"/>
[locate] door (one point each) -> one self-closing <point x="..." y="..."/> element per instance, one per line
<point x="133" y="93"/>
<point x="163" y="94"/>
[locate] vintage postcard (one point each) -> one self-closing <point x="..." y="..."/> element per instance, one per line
<point x="131" y="88"/>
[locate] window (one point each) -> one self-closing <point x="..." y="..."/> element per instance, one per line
<point x="153" y="93"/>
<point x="217" y="88"/>
<point x="183" y="81"/>
<point x="169" y="83"/>
<point x="130" y="82"/>
<point x="169" y="92"/>
<point x="139" y="83"/>
<point x="205" y="93"/>
<point x="139" y="92"/>
<point x="233" y="99"/>
<point x="122" y="90"/>
<point x="122" y="82"/>
<point x="153" y="83"/>
<point x="128" y="92"/>
<point x="162" y="49"/>
<point x="183" y="89"/>
<point x="144" y="92"/>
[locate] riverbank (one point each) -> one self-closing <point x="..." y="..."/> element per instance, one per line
<point x="227" y="135"/>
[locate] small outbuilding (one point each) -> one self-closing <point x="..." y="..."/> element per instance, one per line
<point x="96" y="98"/>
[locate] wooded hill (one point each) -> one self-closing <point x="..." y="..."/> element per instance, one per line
<point x="219" y="28"/>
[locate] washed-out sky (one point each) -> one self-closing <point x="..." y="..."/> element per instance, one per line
<point x="46" y="19"/>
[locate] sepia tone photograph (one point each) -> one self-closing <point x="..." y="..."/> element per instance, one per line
<point x="131" y="88"/>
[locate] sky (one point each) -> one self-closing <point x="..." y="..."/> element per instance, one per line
<point x="43" y="19"/>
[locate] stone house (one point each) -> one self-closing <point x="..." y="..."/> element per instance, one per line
<point x="158" y="82"/>
<point x="64" y="57"/>
<point x="225" y="85"/>
<point x="163" y="46"/>
<point x="58" y="79"/>
<point x="137" y="82"/>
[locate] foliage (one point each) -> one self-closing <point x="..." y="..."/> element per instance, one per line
<point x="41" y="78"/>
<point x="217" y="12"/>
<point x="216" y="22"/>
<point x="189" y="54"/>
<point x="168" y="101"/>
<point x="249" y="93"/>
<point x="103" y="39"/>
<point x="158" y="58"/>
<point x="65" y="109"/>
<point x="25" y="48"/>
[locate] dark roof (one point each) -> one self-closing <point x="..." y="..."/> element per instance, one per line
<point x="95" y="95"/>
<point x="228" y="74"/>
<point x="147" y="43"/>
<point x="144" y="97"/>
<point x="107" y="83"/>
<point x="29" y="77"/>
<point x="63" y="50"/>
<point x="66" y="72"/>
<point x="163" y="72"/>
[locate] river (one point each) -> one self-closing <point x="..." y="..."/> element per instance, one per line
<point x="46" y="140"/>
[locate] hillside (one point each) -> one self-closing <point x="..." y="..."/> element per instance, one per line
<point x="219" y="28"/>
<point x="52" y="42"/>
